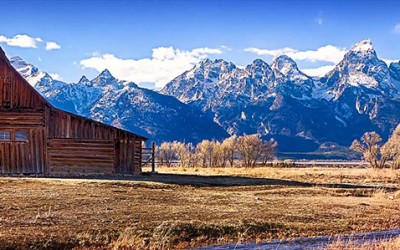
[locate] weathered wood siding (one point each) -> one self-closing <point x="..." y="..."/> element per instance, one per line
<point x="77" y="156"/>
<point x="21" y="119"/>
<point x="128" y="156"/>
<point x="68" y="129"/>
<point x="65" y="125"/>
<point x="21" y="109"/>
<point x="16" y="93"/>
<point x="28" y="157"/>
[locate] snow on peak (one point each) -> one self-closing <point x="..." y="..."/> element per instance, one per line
<point x="23" y="67"/>
<point x="363" y="46"/>
<point x="205" y="61"/>
<point x="288" y="68"/>
<point x="17" y="62"/>
<point x="104" y="78"/>
<point x="16" y="59"/>
<point x="284" y="64"/>
<point x="259" y="62"/>
<point x="84" y="81"/>
<point x="106" y="74"/>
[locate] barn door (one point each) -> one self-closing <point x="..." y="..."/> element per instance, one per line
<point x="15" y="153"/>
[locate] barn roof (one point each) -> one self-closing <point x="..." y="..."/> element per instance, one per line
<point x="4" y="59"/>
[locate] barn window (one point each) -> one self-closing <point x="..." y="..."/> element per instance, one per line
<point x="5" y="136"/>
<point x="21" y="136"/>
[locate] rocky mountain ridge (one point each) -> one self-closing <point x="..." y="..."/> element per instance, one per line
<point x="123" y="104"/>
<point x="360" y="94"/>
<point x="218" y="98"/>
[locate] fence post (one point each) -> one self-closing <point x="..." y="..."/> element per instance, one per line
<point x="153" y="157"/>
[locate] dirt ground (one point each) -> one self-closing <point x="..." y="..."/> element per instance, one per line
<point x="182" y="207"/>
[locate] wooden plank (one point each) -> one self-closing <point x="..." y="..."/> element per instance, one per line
<point x="68" y="128"/>
<point x="80" y="161"/>
<point x="79" y="150"/>
<point x="117" y="165"/>
<point x="74" y="140"/>
<point x="76" y="154"/>
<point x="83" y="160"/>
<point x="78" y="170"/>
<point x="2" y="166"/>
<point x="98" y="166"/>
<point x="12" y="159"/>
<point x="41" y="149"/>
<point x="81" y="144"/>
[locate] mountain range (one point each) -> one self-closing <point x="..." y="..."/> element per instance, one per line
<point x="123" y="104"/>
<point x="301" y="112"/>
<point x="216" y="99"/>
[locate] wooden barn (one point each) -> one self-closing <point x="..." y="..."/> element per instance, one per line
<point x="37" y="138"/>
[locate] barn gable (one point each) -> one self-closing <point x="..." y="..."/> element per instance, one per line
<point x="37" y="138"/>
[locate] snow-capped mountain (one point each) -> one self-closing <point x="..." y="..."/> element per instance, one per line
<point x="125" y="105"/>
<point x="361" y="68"/>
<point x="360" y="94"/>
<point x="363" y="92"/>
<point x="39" y="79"/>
<point x="217" y="98"/>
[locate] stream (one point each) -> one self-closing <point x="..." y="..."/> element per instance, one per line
<point x="309" y="243"/>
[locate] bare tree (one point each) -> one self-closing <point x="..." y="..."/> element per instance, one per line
<point x="159" y="156"/>
<point x="229" y="150"/>
<point x="181" y="152"/>
<point x="269" y="149"/>
<point x="250" y="149"/>
<point x="189" y="158"/>
<point x="391" y="149"/>
<point x="204" y="152"/>
<point x="369" y="148"/>
<point x="215" y="154"/>
<point x="167" y="153"/>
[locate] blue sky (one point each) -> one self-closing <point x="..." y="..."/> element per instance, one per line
<point x="153" y="41"/>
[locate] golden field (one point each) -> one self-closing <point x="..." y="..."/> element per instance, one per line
<point x="183" y="207"/>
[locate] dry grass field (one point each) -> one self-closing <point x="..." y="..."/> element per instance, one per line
<point x="390" y="244"/>
<point x="183" y="207"/>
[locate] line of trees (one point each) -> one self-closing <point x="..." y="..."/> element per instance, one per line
<point x="377" y="154"/>
<point x="249" y="150"/>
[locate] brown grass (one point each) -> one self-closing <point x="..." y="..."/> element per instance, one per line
<point x="146" y="213"/>
<point x="389" y="244"/>
<point x="317" y="175"/>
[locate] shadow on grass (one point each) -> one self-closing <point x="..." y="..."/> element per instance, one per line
<point x="230" y="181"/>
<point x="217" y="181"/>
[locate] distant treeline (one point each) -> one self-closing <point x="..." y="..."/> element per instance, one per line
<point x="248" y="150"/>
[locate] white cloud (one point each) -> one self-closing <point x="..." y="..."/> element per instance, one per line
<point x="389" y="61"/>
<point x="23" y="41"/>
<point x="328" y="53"/>
<point x="274" y="52"/>
<point x="320" y="71"/>
<point x="396" y="28"/>
<point x="52" y="46"/>
<point x="165" y="64"/>
<point x="56" y="76"/>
